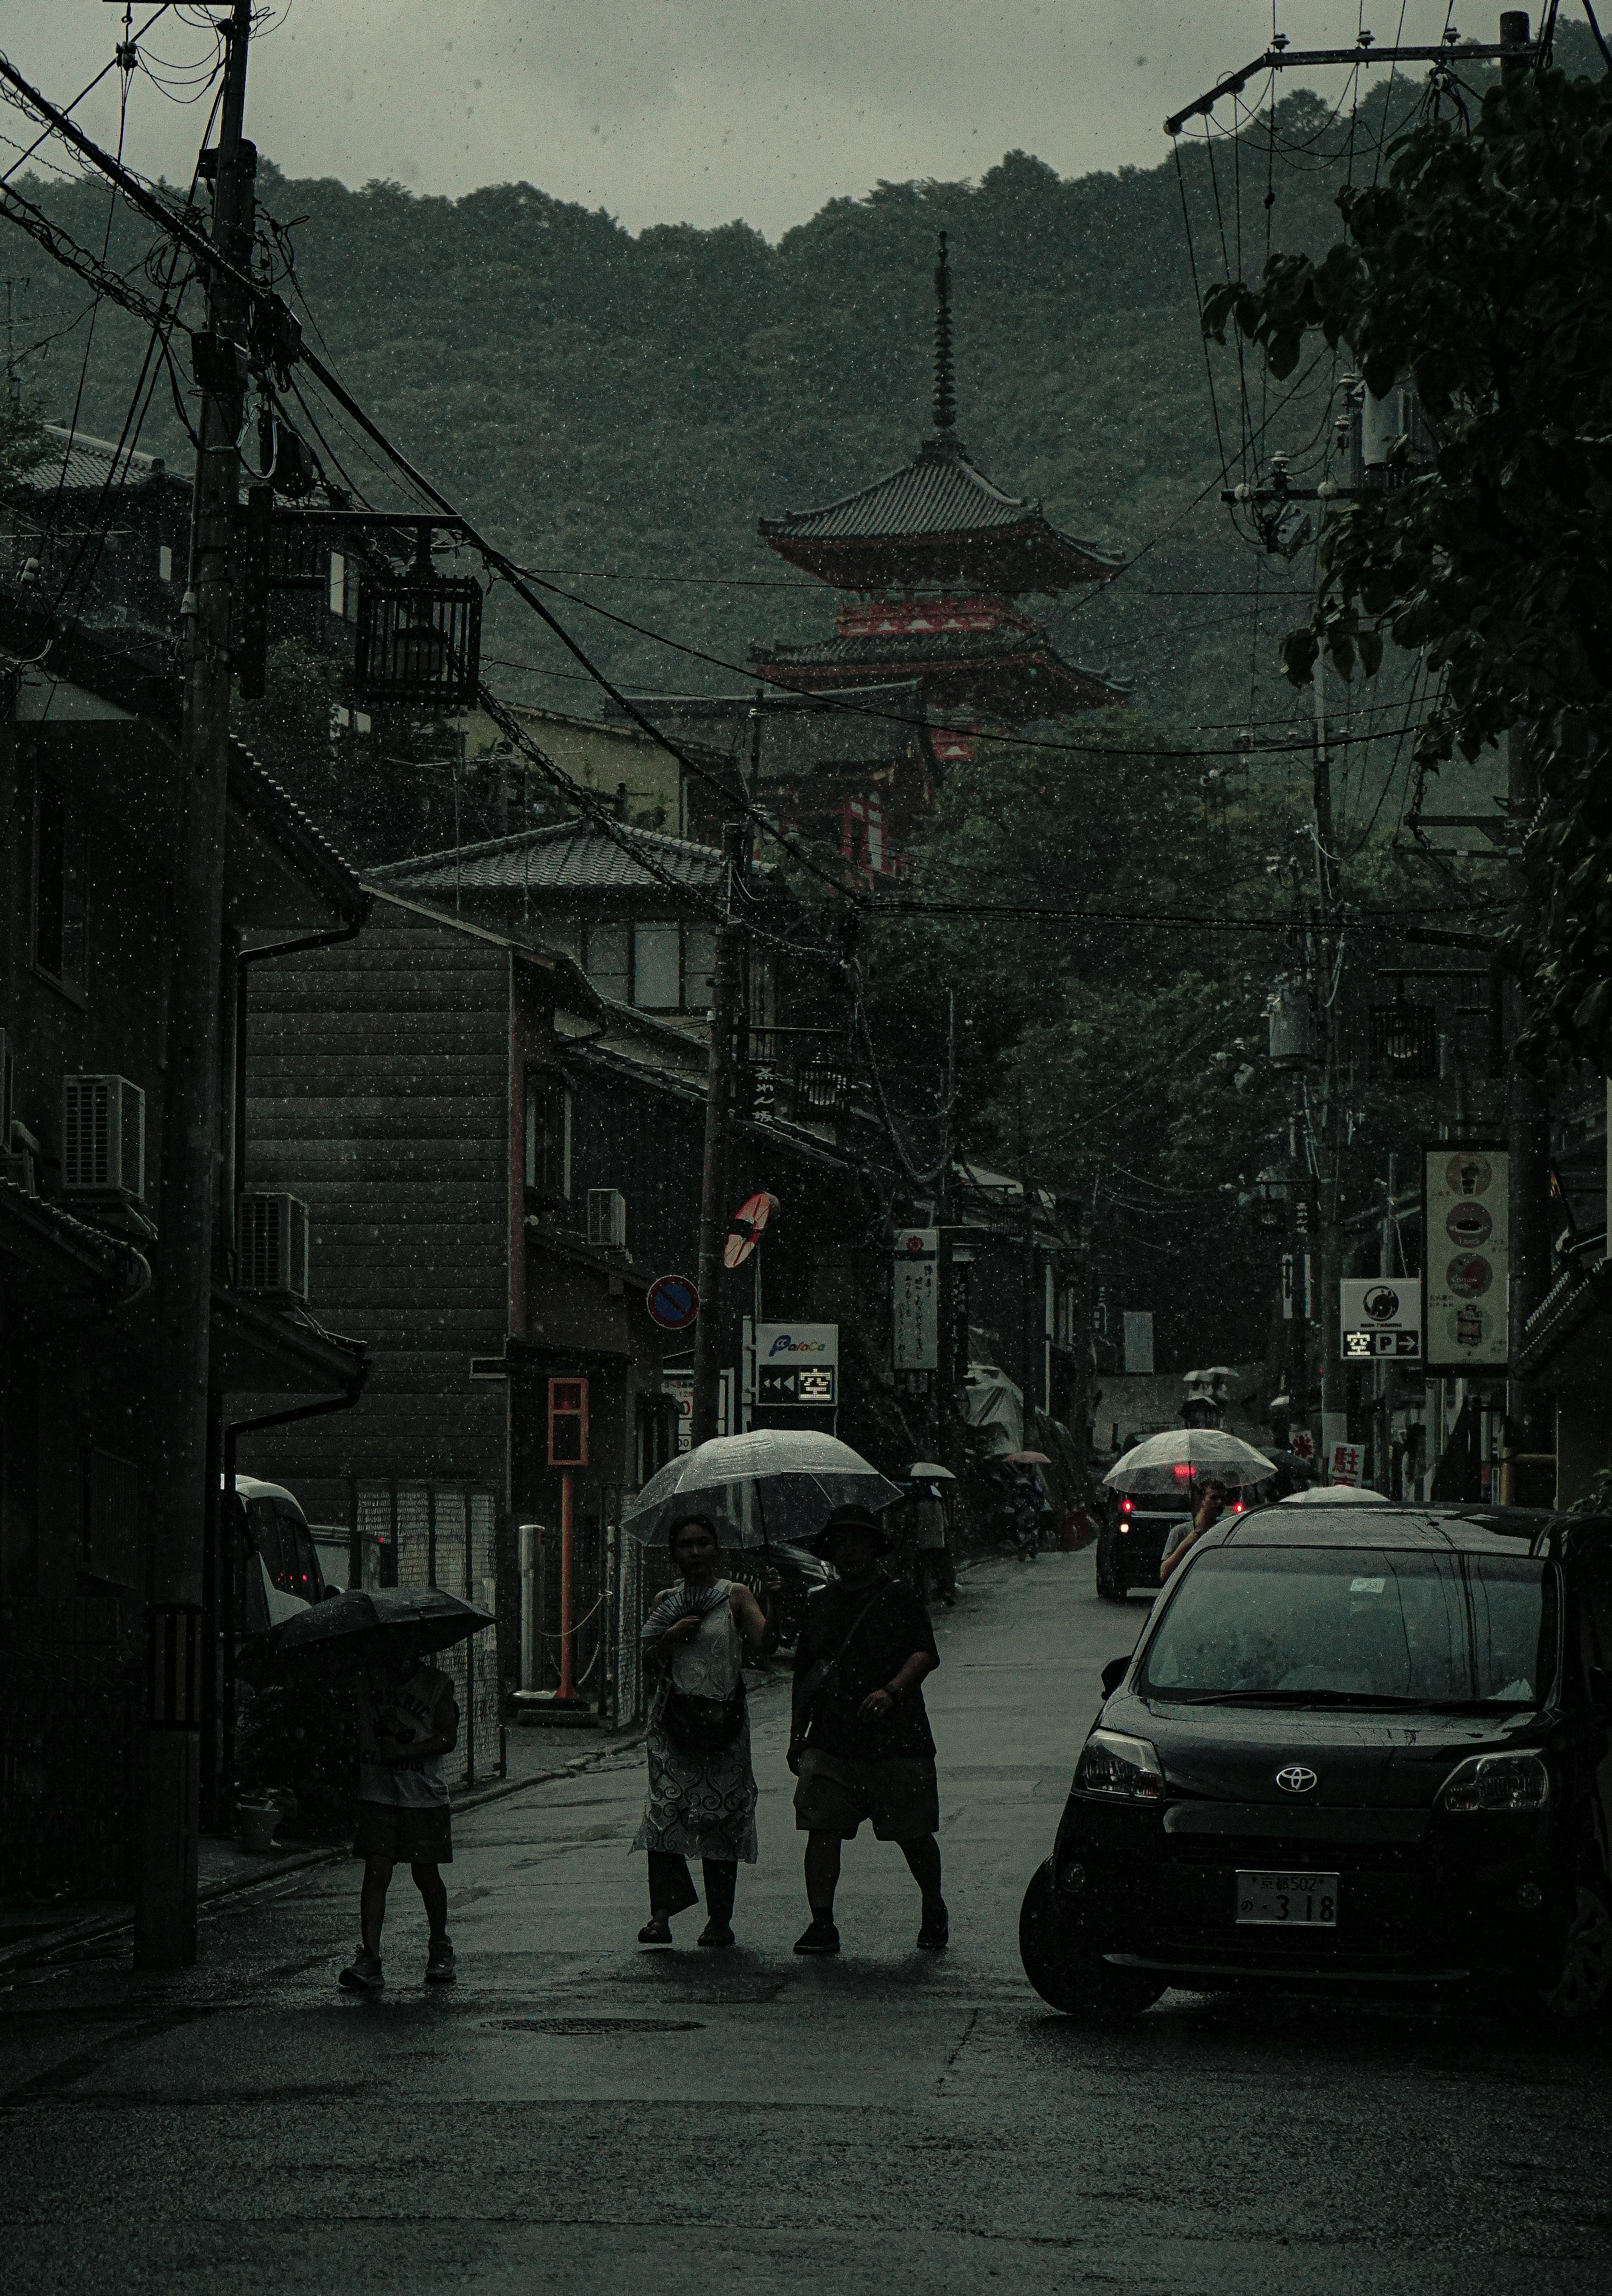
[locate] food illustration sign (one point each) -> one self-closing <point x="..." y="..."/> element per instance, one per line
<point x="1468" y="1260"/>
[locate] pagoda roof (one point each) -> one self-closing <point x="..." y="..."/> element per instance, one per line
<point x="937" y="519"/>
<point x="999" y="659"/>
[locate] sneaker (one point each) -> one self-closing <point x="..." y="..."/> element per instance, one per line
<point x="936" y="1934"/>
<point x="819" y="1936"/>
<point x="716" y="1934"/>
<point x="362" y="1974"/>
<point x="439" y="1968"/>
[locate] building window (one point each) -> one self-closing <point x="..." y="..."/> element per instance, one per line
<point x="660" y="965"/>
<point x="61" y="890"/>
<point x="657" y="967"/>
<point x="165" y="562"/>
<point x="699" y="967"/>
<point x="607" y="959"/>
<point x="548" y="1135"/>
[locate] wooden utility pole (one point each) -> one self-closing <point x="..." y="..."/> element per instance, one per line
<point x="165" y="1897"/>
<point x="714" y="1207"/>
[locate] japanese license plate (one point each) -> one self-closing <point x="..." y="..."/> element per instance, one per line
<point x="1282" y="1900"/>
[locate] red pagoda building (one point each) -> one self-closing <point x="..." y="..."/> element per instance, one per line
<point x="936" y="561"/>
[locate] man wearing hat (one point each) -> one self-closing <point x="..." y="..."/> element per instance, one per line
<point x="860" y="1743"/>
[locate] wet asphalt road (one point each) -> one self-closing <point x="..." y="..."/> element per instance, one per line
<point x="580" y="2114"/>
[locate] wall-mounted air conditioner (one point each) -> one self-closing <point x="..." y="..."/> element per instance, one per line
<point x="607" y="1219"/>
<point x="102" y="1137"/>
<point x="271" y="1245"/>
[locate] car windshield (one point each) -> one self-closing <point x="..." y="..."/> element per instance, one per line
<point x="1357" y="1626"/>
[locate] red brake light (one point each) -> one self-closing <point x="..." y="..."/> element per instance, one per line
<point x="1237" y="1506"/>
<point x="1127" y="1507"/>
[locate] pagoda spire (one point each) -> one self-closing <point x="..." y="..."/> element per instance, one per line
<point x="946" y="380"/>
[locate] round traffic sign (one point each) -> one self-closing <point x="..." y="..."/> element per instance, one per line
<point x="745" y="1228"/>
<point x="672" y="1302"/>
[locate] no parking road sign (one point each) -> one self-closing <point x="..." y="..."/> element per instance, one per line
<point x="672" y="1302"/>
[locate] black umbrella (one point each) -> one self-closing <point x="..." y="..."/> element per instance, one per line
<point x="368" y="1625"/>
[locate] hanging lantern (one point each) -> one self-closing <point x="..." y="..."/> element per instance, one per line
<point x="418" y="637"/>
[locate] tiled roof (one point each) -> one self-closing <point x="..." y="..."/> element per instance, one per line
<point x="78" y="463"/>
<point x="938" y="493"/>
<point x="568" y="856"/>
<point x="947" y="646"/>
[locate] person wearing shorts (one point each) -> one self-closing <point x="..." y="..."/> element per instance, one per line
<point x="408" y="1719"/>
<point x="860" y="1743"/>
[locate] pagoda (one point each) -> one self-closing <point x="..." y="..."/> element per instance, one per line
<point x="936" y="561"/>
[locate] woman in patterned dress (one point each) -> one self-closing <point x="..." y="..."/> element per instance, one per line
<point x="701" y="1803"/>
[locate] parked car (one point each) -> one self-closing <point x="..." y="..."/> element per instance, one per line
<point x="1349" y="1751"/>
<point x="276" y="1563"/>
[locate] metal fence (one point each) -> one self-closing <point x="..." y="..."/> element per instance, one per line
<point x="444" y="1535"/>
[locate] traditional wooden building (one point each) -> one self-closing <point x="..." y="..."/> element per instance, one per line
<point x="89" y="789"/>
<point x="937" y="562"/>
<point x="497" y="1161"/>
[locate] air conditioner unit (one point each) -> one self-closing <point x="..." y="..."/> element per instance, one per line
<point x="607" y="1219"/>
<point x="102" y="1137"/>
<point x="271" y="1245"/>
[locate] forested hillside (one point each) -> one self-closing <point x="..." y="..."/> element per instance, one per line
<point x="612" y="405"/>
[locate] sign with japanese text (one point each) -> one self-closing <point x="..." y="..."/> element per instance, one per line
<point x="798" y="1364"/>
<point x="916" y="1314"/>
<point x="1379" y="1316"/>
<point x="1467" y="1256"/>
<point x="1346" y="1463"/>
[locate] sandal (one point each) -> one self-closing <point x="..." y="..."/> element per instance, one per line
<point x="656" y="1930"/>
<point x="716" y="1934"/>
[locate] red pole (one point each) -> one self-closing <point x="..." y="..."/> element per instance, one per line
<point x="567" y="1694"/>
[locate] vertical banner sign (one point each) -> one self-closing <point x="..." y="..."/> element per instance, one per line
<point x="1467" y="1256"/>
<point x="1139" y="1338"/>
<point x="917" y="1309"/>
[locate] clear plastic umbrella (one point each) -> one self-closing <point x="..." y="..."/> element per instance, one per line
<point x="773" y="1486"/>
<point x="1167" y="1465"/>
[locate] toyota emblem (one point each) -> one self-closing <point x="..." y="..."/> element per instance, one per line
<point x="1296" y="1779"/>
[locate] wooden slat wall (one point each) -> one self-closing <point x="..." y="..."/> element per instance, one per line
<point x="378" y="1091"/>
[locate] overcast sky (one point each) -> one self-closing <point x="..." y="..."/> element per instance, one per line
<point x="690" y="110"/>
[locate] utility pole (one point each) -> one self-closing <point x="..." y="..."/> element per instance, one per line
<point x="1527" y="1115"/>
<point x="165" y="1897"/>
<point x="714" y="1176"/>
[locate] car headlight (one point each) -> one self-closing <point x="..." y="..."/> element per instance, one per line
<point x="1489" y="1783"/>
<point x="1124" y="1769"/>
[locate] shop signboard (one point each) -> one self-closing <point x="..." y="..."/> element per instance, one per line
<point x="1467" y="1258"/>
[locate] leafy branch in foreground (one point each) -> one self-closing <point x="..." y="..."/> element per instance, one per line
<point x="1482" y="270"/>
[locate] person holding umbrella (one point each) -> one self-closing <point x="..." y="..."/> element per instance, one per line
<point x="701" y="1799"/>
<point x="408" y="1719"/>
<point x="380" y="1639"/>
<point x="860" y="1743"/>
<point x="1191" y="1529"/>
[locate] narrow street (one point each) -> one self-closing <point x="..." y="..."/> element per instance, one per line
<point x="580" y="2114"/>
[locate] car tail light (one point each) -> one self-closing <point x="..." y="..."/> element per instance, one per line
<point x="1497" y="1782"/>
<point x="1124" y="1769"/>
<point x="1127" y="1507"/>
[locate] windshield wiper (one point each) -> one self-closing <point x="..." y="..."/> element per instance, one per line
<point x="1305" y="1698"/>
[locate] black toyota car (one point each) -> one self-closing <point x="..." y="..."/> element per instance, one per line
<point x="1352" y="1747"/>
